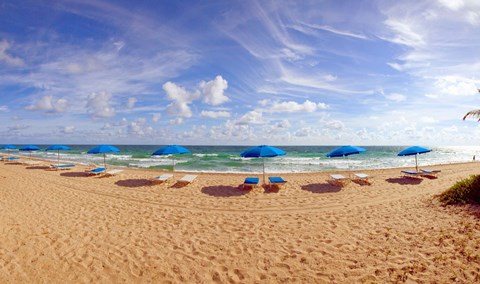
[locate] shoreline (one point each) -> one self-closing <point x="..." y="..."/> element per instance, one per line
<point x="62" y="226"/>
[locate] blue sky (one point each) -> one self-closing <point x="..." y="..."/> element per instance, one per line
<point x="239" y="72"/>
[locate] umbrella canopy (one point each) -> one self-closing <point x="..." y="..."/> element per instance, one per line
<point x="262" y="151"/>
<point x="414" y="150"/>
<point x="171" y="150"/>
<point x="58" y="148"/>
<point x="29" y="148"/>
<point x="103" y="149"/>
<point x="9" y="147"/>
<point x="345" y="151"/>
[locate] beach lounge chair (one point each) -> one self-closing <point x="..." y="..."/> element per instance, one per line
<point x="338" y="180"/>
<point x="277" y="181"/>
<point x="411" y="174"/>
<point x="186" y="179"/>
<point x="250" y="182"/>
<point x="430" y="172"/>
<point x="96" y="171"/>
<point x="361" y="178"/>
<point x="162" y="178"/>
<point x="10" y="159"/>
<point x="62" y="166"/>
<point x="113" y="172"/>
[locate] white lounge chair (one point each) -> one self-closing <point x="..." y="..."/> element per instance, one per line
<point x="338" y="180"/>
<point x="186" y="179"/>
<point x="62" y="166"/>
<point x="361" y="178"/>
<point x="162" y="178"/>
<point x="113" y="172"/>
<point x="430" y="172"/>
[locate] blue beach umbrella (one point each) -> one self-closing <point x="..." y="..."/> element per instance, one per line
<point x="29" y="148"/>
<point x="58" y="148"/>
<point x="171" y="150"/>
<point x="262" y="151"/>
<point x="9" y="147"/>
<point x="103" y="149"/>
<point x="346" y="151"/>
<point x="414" y="150"/>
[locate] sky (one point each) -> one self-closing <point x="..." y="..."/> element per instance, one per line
<point x="245" y="72"/>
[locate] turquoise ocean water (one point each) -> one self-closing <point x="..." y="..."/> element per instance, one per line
<point x="227" y="158"/>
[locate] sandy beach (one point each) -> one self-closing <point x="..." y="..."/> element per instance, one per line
<point x="66" y="227"/>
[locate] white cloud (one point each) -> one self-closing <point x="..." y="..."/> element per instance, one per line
<point x="49" y="104"/>
<point x="68" y="129"/>
<point x="214" y="114"/>
<point x="131" y="102"/>
<point x="252" y="117"/>
<point x="181" y="100"/>
<point x="406" y="32"/>
<point x="454" y="5"/>
<point x="335" y="125"/>
<point x="396" y="97"/>
<point x="98" y="105"/>
<point x="3" y="108"/>
<point x="455" y="86"/>
<point x="283" y="124"/>
<point x="292" y="106"/>
<point x="176" y="121"/>
<point x="213" y="91"/>
<point x="9" y="59"/>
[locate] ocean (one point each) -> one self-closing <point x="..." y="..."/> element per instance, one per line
<point x="226" y="159"/>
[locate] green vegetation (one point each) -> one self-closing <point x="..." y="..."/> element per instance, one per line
<point x="464" y="191"/>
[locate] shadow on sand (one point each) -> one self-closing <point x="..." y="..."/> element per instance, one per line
<point x="74" y="174"/>
<point x="37" y="168"/>
<point x="404" y="180"/>
<point x="134" y="182"/>
<point x="322" y="188"/>
<point x="224" y="191"/>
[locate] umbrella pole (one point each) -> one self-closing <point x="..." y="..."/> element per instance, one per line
<point x="263" y="170"/>
<point x="104" y="160"/>
<point x="416" y="162"/>
<point x="58" y="155"/>
<point x="173" y="158"/>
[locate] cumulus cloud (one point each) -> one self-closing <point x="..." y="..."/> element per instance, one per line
<point x="49" y="104"/>
<point x="98" y="105"/>
<point x="214" y="114"/>
<point x="139" y="128"/>
<point x="292" y="106"/>
<point x="252" y="117"/>
<point x="131" y="102"/>
<point x="455" y="86"/>
<point x="68" y="129"/>
<point x="180" y="98"/>
<point x="9" y="59"/>
<point x="213" y="91"/>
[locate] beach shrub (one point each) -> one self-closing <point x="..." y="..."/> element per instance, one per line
<point x="464" y="191"/>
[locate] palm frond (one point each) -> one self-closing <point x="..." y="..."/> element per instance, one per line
<point x="473" y="113"/>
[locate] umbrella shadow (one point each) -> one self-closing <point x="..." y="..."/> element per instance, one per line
<point x="322" y="188"/>
<point x="224" y="191"/>
<point x="74" y="174"/>
<point x="37" y="168"/>
<point x="134" y="182"/>
<point x="404" y="180"/>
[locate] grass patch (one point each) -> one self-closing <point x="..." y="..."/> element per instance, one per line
<point x="464" y="191"/>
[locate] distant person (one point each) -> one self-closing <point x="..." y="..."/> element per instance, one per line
<point x="473" y="157"/>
